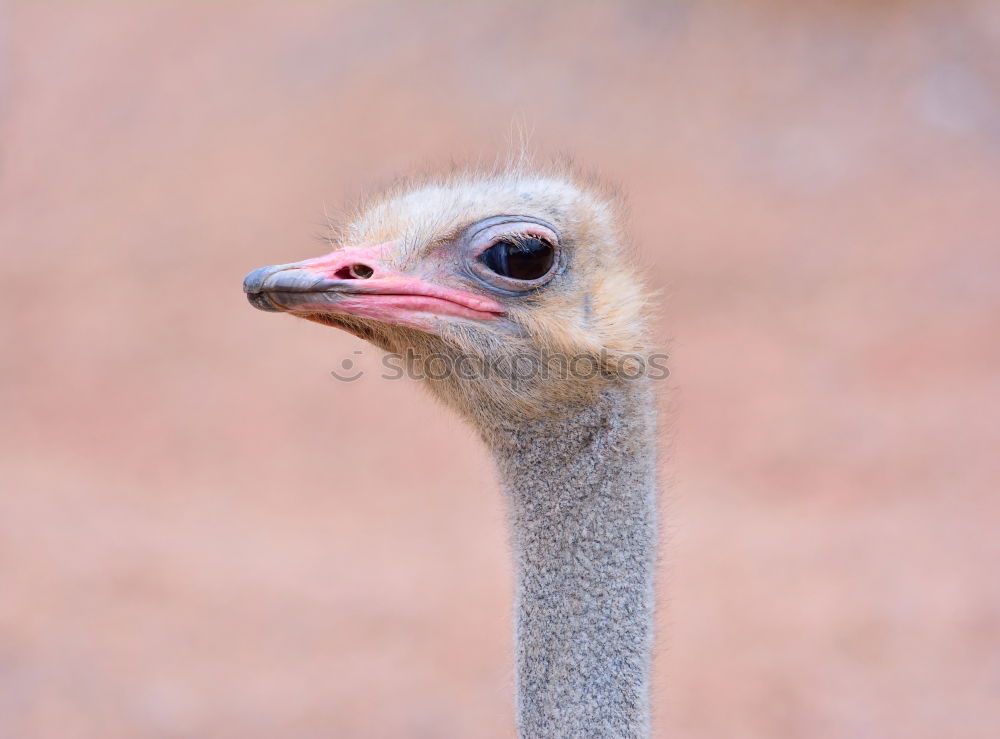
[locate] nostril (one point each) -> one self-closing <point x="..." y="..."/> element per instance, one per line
<point x="354" y="272"/>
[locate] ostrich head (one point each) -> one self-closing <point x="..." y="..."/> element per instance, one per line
<point x="511" y="293"/>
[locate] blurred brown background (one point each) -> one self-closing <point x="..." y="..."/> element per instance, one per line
<point x="202" y="534"/>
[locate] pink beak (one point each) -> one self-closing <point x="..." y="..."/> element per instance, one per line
<point x="355" y="281"/>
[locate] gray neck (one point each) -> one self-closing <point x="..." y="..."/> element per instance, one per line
<point x="582" y="498"/>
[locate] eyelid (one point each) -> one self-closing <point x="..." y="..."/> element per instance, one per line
<point x="491" y="235"/>
<point x="484" y="235"/>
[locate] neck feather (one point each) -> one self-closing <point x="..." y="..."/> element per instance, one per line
<point x="582" y="501"/>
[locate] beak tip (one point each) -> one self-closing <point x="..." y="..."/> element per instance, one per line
<point x="254" y="281"/>
<point x="253" y="284"/>
<point x="261" y="301"/>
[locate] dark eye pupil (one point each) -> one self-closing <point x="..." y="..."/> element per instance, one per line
<point x="526" y="258"/>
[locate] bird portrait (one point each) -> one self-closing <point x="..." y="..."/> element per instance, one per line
<point x="496" y="271"/>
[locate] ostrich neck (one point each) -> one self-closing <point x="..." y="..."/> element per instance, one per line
<point x="582" y="500"/>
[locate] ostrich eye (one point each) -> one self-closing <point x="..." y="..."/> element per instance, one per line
<point x="523" y="258"/>
<point x="513" y="254"/>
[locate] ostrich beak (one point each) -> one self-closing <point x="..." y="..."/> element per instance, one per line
<point x="356" y="281"/>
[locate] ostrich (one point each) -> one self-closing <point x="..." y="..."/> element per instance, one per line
<point x="516" y="282"/>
